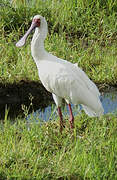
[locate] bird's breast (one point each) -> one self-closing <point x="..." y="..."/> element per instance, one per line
<point x="51" y="75"/>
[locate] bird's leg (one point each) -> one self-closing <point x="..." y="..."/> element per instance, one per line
<point x="61" y="118"/>
<point x="71" y="120"/>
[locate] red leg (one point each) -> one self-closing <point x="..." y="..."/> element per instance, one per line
<point x="61" y="118"/>
<point x="71" y="120"/>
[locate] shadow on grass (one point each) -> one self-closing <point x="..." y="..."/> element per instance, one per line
<point x="14" y="95"/>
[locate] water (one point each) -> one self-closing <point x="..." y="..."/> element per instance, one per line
<point x="108" y="99"/>
<point x="109" y="102"/>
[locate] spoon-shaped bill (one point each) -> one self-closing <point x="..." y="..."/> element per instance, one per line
<point x="22" y="41"/>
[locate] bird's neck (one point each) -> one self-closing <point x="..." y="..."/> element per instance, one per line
<point x="37" y="46"/>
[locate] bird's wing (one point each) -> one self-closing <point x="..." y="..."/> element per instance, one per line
<point x="81" y="75"/>
<point x="67" y="81"/>
<point x="90" y="85"/>
<point x="59" y="75"/>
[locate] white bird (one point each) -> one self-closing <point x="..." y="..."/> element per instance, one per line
<point x="60" y="77"/>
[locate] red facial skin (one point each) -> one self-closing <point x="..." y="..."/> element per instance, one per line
<point x="37" y="21"/>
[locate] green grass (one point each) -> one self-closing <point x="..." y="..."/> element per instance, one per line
<point x="100" y="63"/>
<point x="83" y="32"/>
<point x="43" y="153"/>
<point x="79" y="31"/>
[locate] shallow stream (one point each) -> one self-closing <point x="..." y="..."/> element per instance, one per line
<point x="108" y="99"/>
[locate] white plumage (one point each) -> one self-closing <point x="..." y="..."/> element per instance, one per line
<point x="60" y="77"/>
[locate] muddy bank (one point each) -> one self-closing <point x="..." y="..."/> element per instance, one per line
<point x="14" y="95"/>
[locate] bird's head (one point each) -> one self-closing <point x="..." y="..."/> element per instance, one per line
<point x="38" y="23"/>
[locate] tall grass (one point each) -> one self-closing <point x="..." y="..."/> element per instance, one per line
<point x="80" y="18"/>
<point x="79" y="31"/>
<point x="89" y="152"/>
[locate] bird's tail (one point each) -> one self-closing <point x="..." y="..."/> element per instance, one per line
<point x="93" y="113"/>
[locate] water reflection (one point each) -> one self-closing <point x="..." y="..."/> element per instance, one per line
<point x="109" y="102"/>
